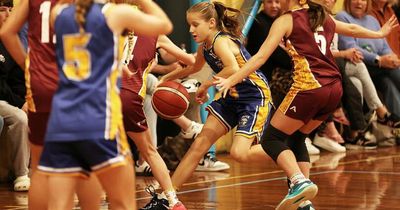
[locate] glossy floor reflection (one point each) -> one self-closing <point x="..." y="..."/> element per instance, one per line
<point x="351" y="180"/>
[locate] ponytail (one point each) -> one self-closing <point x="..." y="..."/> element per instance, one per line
<point x="82" y="7"/>
<point x="228" y="19"/>
<point x="225" y="17"/>
<point x="317" y="14"/>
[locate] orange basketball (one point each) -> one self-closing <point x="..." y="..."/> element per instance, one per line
<point x="170" y="100"/>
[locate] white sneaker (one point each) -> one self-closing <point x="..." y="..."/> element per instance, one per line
<point x="312" y="150"/>
<point x="210" y="163"/>
<point x="192" y="131"/>
<point x="328" y="144"/>
<point x="143" y="169"/>
<point x="22" y="183"/>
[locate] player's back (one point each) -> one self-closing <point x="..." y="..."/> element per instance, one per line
<point x="43" y="78"/>
<point x="313" y="62"/>
<point x="87" y="103"/>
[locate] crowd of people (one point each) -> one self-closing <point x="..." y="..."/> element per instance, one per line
<point x="301" y="71"/>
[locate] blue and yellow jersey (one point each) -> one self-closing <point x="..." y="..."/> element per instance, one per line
<point x="254" y="86"/>
<point x="86" y="104"/>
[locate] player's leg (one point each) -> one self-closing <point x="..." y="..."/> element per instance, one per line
<point x="213" y="129"/>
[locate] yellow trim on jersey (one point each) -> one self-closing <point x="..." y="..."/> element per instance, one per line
<point x="303" y="78"/>
<point x="292" y="93"/>
<point x="142" y="91"/>
<point x="247" y="136"/>
<point x="65" y="174"/>
<point x="261" y="118"/>
<point x="111" y="166"/>
<point x="28" y="96"/>
<point x="114" y="124"/>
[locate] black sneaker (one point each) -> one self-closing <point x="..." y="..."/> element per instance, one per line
<point x="361" y="142"/>
<point x="155" y="203"/>
<point x="391" y="120"/>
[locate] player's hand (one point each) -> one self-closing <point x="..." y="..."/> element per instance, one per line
<point x="389" y="26"/>
<point x="223" y="84"/>
<point x="25" y="107"/>
<point x="201" y="94"/>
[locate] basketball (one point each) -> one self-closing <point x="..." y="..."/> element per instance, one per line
<point x="170" y="100"/>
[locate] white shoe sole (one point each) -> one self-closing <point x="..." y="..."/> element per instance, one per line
<point x="294" y="202"/>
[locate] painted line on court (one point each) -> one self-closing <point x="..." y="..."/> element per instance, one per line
<point x="370" y="159"/>
<point x="239" y="184"/>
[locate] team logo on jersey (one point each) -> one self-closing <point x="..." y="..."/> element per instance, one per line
<point x="244" y="120"/>
<point x="2" y="58"/>
<point x="293" y="108"/>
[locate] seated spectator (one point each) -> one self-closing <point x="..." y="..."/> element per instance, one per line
<point x="13" y="111"/>
<point x="382" y="64"/>
<point x="382" y="11"/>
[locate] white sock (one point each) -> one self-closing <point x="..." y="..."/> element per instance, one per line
<point x="171" y="197"/>
<point x="297" y="178"/>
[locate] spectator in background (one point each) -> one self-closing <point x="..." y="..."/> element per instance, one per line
<point x="382" y="64"/>
<point x="382" y="11"/>
<point x="13" y="110"/>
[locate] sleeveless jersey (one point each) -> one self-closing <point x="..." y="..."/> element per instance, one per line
<point x="144" y="53"/>
<point x="86" y="104"/>
<point x="42" y="78"/>
<point x="254" y="86"/>
<point x="313" y="62"/>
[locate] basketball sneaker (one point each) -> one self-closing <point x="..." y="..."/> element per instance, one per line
<point x="306" y="205"/>
<point x="143" y="169"/>
<point x="312" y="150"/>
<point x="362" y="141"/>
<point x="192" y="132"/>
<point x="156" y="203"/>
<point x="210" y="163"/>
<point x="390" y="120"/>
<point x="298" y="193"/>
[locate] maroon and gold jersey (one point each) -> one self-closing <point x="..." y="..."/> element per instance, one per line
<point x="42" y="78"/>
<point x="144" y="53"/>
<point x="313" y="62"/>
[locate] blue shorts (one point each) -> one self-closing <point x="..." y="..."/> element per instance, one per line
<point x="250" y="117"/>
<point x="80" y="157"/>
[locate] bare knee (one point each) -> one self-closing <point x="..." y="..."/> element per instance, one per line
<point x="238" y="155"/>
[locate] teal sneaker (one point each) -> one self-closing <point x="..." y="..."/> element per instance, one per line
<point x="300" y="192"/>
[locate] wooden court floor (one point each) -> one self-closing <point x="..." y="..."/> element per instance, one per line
<point x="352" y="180"/>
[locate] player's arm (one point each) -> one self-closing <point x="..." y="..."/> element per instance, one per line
<point x="9" y="32"/>
<point x="225" y="49"/>
<point x="355" y="30"/>
<point x="151" y="22"/>
<point x="182" y="73"/>
<point x="280" y="28"/>
<point x="165" y="43"/>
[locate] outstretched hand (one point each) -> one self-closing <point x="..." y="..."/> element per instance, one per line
<point x="223" y="84"/>
<point x="389" y="25"/>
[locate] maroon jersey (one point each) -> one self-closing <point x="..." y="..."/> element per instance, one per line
<point x="42" y="77"/>
<point x="143" y="55"/>
<point x="313" y="62"/>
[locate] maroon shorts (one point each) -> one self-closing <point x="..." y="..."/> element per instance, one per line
<point x="132" y="110"/>
<point x="37" y="122"/>
<point x="315" y="104"/>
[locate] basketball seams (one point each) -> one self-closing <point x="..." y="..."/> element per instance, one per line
<point x="174" y="91"/>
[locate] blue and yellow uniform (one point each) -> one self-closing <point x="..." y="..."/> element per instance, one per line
<point x="248" y="104"/>
<point x="85" y="131"/>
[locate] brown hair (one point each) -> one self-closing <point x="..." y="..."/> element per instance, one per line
<point x="226" y="17"/>
<point x="317" y="14"/>
<point x="82" y="7"/>
<point x="346" y="6"/>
